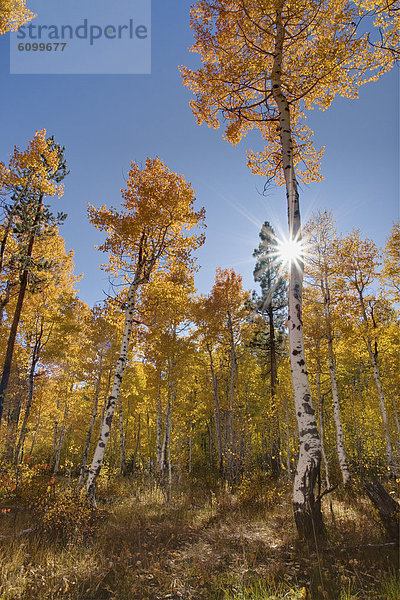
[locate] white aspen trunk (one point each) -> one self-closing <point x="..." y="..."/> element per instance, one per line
<point x="83" y="470"/>
<point x="288" y="453"/>
<point x="232" y="457"/>
<point x="210" y="442"/>
<point x="379" y="387"/>
<point x="36" y="430"/>
<point x="378" y="383"/>
<point x="190" y="442"/>
<point x="307" y="508"/>
<point x="121" y="437"/>
<point x="159" y="434"/>
<point x="61" y="441"/>
<point x="167" y="432"/>
<point x="103" y="410"/>
<point x="24" y="428"/>
<point x="341" y="452"/>
<point x="55" y="438"/>
<point x="169" y="464"/>
<point x="134" y="458"/>
<point x="217" y="413"/>
<point x="396" y="418"/>
<point x="105" y="430"/>
<point x="321" y="428"/>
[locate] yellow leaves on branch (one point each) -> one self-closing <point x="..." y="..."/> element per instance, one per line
<point x="326" y="51"/>
<point x="32" y="169"/>
<point x="154" y="223"/>
<point x="391" y="263"/>
<point x="227" y="291"/>
<point x="13" y="14"/>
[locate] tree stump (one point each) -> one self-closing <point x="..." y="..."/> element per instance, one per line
<point x="387" y="507"/>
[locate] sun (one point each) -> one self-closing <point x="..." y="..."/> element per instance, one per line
<point x="290" y="250"/>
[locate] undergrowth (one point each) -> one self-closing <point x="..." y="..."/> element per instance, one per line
<point x="210" y="546"/>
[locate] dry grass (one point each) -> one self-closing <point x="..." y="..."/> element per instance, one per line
<point x="221" y="549"/>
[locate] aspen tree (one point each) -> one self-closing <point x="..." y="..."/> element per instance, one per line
<point x="264" y="63"/>
<point x="357" y="261"/>
<point x="152" y="228"/>
<point x="321" y="236"/>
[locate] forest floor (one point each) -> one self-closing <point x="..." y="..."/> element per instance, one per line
<point x="199" y="547"/>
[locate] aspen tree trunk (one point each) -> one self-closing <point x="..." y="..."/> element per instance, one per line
<point x="210" y="442"/>
<point x="36" y="430"/>
<point x="276" y="437"/>
<point x="378" y="382"/>
<point x="190" y="444"/>
<point x="60" y="441"/>
<point x="31" y="380"/>
<point x="91" y="426"/>
<point x="307" y="508"/>
<point x="396" y="418"/>
<point x="105" y="430"/>
<point x="167" y="433"/>
<point x="55" y="438"/>
<point x="169" y="467"/>
<point x="121" y="437"/>
<point x="232" y="449"/>
<point x="103" y="409"/>
<point x="321" y="428"/>
<point x="382" y="401"/>
<point x="159" y="434"/>
<point x="288" y="453"/>
<point x="217" y="413"/>
<point x="341" y="452"/>
<point x="137" y="444"/>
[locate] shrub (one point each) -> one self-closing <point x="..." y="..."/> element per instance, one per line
<point x="66" y="516"/>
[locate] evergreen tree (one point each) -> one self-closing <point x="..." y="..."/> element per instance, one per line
<point x="37" y="172"/>
<point x="271" y="304"/>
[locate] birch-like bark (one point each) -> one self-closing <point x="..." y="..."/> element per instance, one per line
<point x="135" y="453"/>
<point x="83" y="470"/>
<point x="31" y="380"/>
<point x="105" y="430"/>
<point x="159" y="433"/>
<point x="307" y="508"/>
<point x="107" y="392"/>
<point x="121" y="437"/>
<point x="288" y="453"/>
<point x="61" y="440"/>
<point x="190" y="444"/>
<point x="378" y="382"/>
<point x="232" y="449"/>
<point x="341" y="452"/>
<point x="396" y="419"/>
<point x="382" y="402"/>
<point x="36" y="429"/>
<point x="167" y="433"/>
<point x="169" y="488"/>
<point x="276" y="434"/>
<point x="217" y="413"/>
<point x="55" y="438"/>
<point x="321" y="428"/>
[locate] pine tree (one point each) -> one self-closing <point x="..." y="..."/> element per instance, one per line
<point x="271" y="304"/>
<point x="31" y="176"/>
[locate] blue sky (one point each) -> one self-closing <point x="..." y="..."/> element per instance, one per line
<point x="105" y="121"/>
